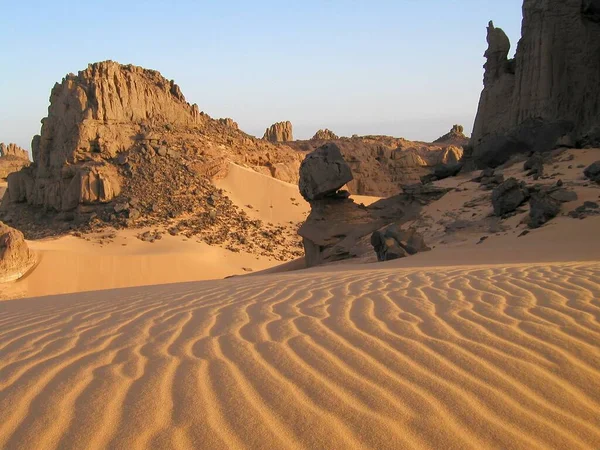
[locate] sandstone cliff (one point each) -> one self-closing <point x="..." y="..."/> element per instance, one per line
<point x="550" y="93"/>
<point x="279" y="132"/>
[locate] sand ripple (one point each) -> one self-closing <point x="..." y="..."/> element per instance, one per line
<point x="451" y="358"/>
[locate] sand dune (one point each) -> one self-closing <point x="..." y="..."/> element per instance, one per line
<point x="481" y="357"/>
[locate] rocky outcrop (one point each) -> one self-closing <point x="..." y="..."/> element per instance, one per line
<point x="324" y="135"/>
<point x="12" y="159"/>
<point x="15" y="257"/>
<point x="455" y="136"/>
<point x="14" y="150"/>
<point x="100" y="117"/>
<point x="542" y="208"/>
<point x="323" y="172"/>
<point x="380" y="164"/>
<point x="337" y="228"/>
<point x="279" y="132"/>
<point x="549" y="95"/>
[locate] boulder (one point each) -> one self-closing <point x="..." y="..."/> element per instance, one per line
<point x="508" y="196"/>
<point x="394" y="242"/>
<point x="15" y="257"/>
<point x="279" y="132"/>
<point x="323" y="172"/>
<point x="542" y="209"/>
<point x="592" y="172"/>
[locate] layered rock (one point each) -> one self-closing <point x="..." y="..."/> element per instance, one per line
<point x="12" y="159"/>
<point x="549" y="94"/>
<point x="324" y="135"/>
<point x="279" y="132"/>
<point x="15" y="257"/>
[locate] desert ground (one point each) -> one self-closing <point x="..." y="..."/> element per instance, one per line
<point x="490" y="344"/>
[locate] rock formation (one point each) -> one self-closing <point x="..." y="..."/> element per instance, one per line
<point x="549" y="94"/>
<point x="455" y="137"/>
<point x="592" y="172"/>
<point x="323" y="172"/>
<point x="13" y="150"/>
<point x="229" y="123"/>
<point x="324" y="135"/>
<point x="122" y="147"/>
<point x="380" y="164"/>
<point x="12" y="159"/>
<point x="15" y="257"/>
<point x="279" y="132"/>
<point x="337" y="228"/>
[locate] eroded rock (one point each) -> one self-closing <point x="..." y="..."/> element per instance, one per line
<point x="15" y="257"/>
<point x="323" y="172"/>
<point x="279" y="132"/>
<point x="508" y="196"/>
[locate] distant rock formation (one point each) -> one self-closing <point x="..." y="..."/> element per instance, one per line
<point x="279" y="132"/>
<point x="324" y="135"/>
<point x="229" y="123"/>
<point x="15" y="257"/>
<point x="12" y="159"/>
<point x="549" y="94"/>
<point x="456" y="137"/>
<point x="13" y="150"/>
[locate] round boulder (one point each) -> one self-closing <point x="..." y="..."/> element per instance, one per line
<point x="323" y="172"/>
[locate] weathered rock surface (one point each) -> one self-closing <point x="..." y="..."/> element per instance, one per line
<point x="549" y="94"/>
<point x="279" y="132"/>
<point x="508" y="196"/>
<point x="229" y="123"/>
<point x="323" y="172"/>
<point x="15" y="257"/>
<point x="593" y="172"/>
<point x="12" y="159"/>
<point x="324" y="135"/>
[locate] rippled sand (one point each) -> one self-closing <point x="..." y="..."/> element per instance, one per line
<point x="480" y="357"/>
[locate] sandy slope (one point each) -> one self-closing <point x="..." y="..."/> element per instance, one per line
<point x="505" y="357"/>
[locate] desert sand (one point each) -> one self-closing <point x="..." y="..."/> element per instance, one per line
<point x="467" y="357"/>
<point x="491" y="345"/>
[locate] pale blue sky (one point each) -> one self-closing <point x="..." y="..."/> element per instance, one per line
<point x="406" y="68"/>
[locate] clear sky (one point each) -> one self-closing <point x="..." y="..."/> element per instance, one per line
<point x="407" y="68"/>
